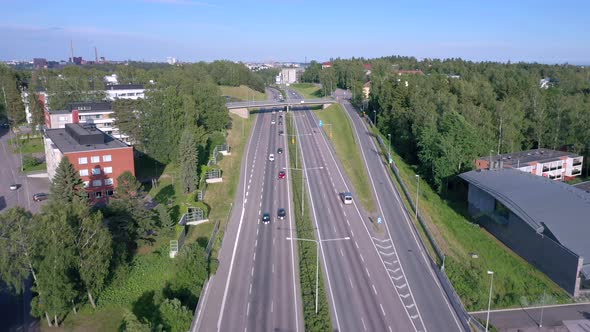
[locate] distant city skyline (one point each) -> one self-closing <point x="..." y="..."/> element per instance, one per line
<point x="291" y="31"/>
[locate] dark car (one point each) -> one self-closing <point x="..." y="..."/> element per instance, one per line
<point x="281" y="174"/>
<point x="280" y="151"/>
<point x="40" y="197"/>
<point x="5" y="125"/>
<point x="281" y="214"/>
<point x="281" y="132"/>
<point x="265" y="218"/>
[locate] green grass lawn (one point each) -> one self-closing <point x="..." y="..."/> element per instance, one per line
<point x="340" y="130"/>
<point x="29" y="145"/>
<point x="38" y="167"/>
<point x="516" y="282"/>
<point x="242" y="92"/>
<point x="307" y="90"/>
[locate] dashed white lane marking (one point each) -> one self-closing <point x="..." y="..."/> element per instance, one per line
<point x="272" y="305"/>
<point x="363" y="321"/>
<point x="402" y="286"/>
<point x="351" y="233"/>
<point x="374" y="289"/>
<point x="382" y="310"/>
<point x="405" y="296"/>
<point x="341" y="252"/>
<point x="410" y="306"/>
<point x="335" y="229"/>
<point x="362" y="258"/>
<point x="389" y="326"/>
<point x="248" y="310"/>
<point x="252" y="272"/>
<point x="254" y="258"/>
<point x="369" y="274"/>
<point x="351" y="285"/>
<point x="255" y="243"/>
<point x="357" y="245"/>
<point x="273" y="268"/>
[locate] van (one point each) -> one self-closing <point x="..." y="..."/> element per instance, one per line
<point x="346" y="198"/>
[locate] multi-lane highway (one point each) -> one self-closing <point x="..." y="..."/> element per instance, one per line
<point x="256" y="287"/>
<point x="429" y="298"/>
<point x="360" y="289"/>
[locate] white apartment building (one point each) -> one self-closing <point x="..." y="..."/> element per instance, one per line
<point x="552" y="164"/>
<point x="125" y="91"/>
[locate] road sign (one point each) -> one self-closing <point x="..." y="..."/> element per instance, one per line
<point x="321" y="123"/>
<point x="379" y="220"/>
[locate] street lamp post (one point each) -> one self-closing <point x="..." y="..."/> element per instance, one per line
<point x="375" y="117"/>
<point x="317" y="261"/>
<point x="542" y="307"/>
<point x="303" y="172"/>
<point x="490" y="299"/>
<point x="417" y="194"/>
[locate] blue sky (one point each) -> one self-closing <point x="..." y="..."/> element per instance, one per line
<point x="263" y="30"/>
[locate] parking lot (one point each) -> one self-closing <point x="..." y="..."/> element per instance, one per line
<point x="10" y="174"/>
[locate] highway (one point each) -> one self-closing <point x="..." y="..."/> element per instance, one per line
<point x="429" y="298"/>
<point x="256" y="287"/>
<point x="361" y="294"/>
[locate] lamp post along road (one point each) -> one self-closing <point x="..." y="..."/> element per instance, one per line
<point x="417" y="194"/>
<point x="303" y="171"/>
<point x="317" y="261"/>
<point x="490" y="299"/>
<point x="389" y="150"/>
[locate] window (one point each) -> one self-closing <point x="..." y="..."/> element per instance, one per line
<point x="107" y="157"/>
<point x="95" y="159"/>
<point x="63" y="118"/>
<point x="96" y="171"/>
<point x="83" y="172"/>
<point x="83" y="161"/>
<point x="97" y="183"/>
<point x="108" y="170"/>
<point x="108" y="182"/>
<point x="97" y="116"/>
<point x="86" y="184"/>
<point x="98" y="194"/>
<point x="110" y="193"/>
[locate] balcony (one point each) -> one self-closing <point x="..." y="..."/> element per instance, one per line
<point x="577" y="163"/>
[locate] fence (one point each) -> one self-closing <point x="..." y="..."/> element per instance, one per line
<point x="465" y="318"/>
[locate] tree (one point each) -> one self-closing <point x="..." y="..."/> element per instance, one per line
<point x="188" y="159"/>
<point x="94" y="251"/>
<point x="132" y="324"/>
<point x="67" y="185"/>
<point x="128" y="114"/>
<point x="175" y="316"/>
<point x="312" y="72"/>
<point x="191" y="272"/>
<point x="36" y="109"/>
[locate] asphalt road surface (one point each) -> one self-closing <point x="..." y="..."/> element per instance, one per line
<point x="256" y="287"/>
<point x="430" y="301"/>
<point x="361" y="295"/>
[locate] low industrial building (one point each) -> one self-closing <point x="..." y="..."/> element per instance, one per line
<point x="545" y="222"/>
<point x="99" y="158"/>
<point x="552" y="164"/>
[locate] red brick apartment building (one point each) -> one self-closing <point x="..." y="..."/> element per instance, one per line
<point x="99" y="158"/>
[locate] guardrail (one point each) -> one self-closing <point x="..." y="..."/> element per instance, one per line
<point x="466" y="319"/>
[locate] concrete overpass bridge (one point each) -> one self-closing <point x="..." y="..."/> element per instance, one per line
<point x="242" y="108"/>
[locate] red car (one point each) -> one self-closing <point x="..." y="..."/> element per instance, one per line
<point x="281" y="174"/>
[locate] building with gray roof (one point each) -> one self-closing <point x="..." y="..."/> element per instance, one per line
<point x="546" y="222"/>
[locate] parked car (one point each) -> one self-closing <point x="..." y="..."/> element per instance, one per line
<point x="40" y="197"/>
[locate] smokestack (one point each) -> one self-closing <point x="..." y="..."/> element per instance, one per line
<point x="72" y="51"/>
<point x="96" y="54"/>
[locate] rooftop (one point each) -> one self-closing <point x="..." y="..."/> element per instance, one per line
<point x="565" y="215"/>
<point x="91" y="106"/>
<point x="124" y="87"/>
<point x="524" y="158"/>
<point x="78" y="138"/>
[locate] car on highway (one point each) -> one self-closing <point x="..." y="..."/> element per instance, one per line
<point x="281" y="110"/>
<point x="280" y="151"/>
<point x="346" y="198"/>
<point x="282" y="174"/>
<point x="281" y="214"/>
<point x="272" y="121"/>
<point x="14" y="186"/>
<point x="280" y="123"/>
<point x="271" y="157"/>
<point x="40" y="197"/>
<point x="281" y="133"/>
<point x="265" y="218"/>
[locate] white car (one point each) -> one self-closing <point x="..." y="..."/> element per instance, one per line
<point x="272" y="121"/>
<point x="271" y="157"/>
<point x="281" y="110"/>
<point x="13" y="186"/>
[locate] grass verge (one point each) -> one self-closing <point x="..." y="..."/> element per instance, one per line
<point x="307" y="90"/>
<point x="28" y="145"/>
<point x="242" y="92"/>
<point x="307" y="252"/>
<point x="516" y="282"/>
<point x="340" y="131"/>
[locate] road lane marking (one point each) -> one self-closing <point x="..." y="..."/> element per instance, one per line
<point x="363" y="321"/>
<point x="362" y="258"/>
<point x="410" y="306"/>
<point x="250" y="291"/>
<point x="254" y="259"/>
<point x="248" y="310"/>
<point x="351" y="285"/>
<point x="341" y="252"/>
<point x="402" y="286"/>
<point x="357" y="245"/>
<point x="369" y="274"/>
<point x="374" y="289"/>
<point x="382" y="310"/>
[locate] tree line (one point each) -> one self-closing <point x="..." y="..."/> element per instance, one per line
<point x="457" y="110"/>
<point x="72" y="251"/>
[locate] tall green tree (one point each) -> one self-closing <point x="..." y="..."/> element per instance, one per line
<point x="188" y="159"/>
<point x="128" y="114"/>
<point x="67" y="185"/>
<point x="17" y="247"/>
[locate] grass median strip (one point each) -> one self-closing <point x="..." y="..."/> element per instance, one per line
<point x="340" y="131"/>
<point x="307" y="250"/>
<point x="307" y="90"/>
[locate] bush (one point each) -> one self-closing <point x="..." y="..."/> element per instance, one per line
<point x="30" y="161"/>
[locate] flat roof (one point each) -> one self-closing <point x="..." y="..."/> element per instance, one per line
<point x="91" y="106"/>
<point x="67" y="143"/>
<point x="124" y="87"/>
<point x="541" y="203"/>
<point x="523" y="158"/>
